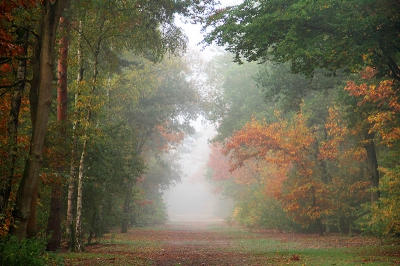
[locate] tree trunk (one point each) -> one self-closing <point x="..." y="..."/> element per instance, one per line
<point x="127" y="209"/>
<point x="78" y="225"/>
<point x="40" y="108"/>
<point x="372" y="165"/>
<point x="31" y="228"/>
<point x="54" y="221"/>
<point x="71" y="190"/>
<point x="72" y="178"/>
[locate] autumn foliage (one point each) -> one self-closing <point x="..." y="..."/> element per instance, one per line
<point x="381" y="96"/>
<point x="307" y="171"/>
<point x="384" y="96"/>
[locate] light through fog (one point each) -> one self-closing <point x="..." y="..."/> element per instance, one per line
<point x="193" y="199"/>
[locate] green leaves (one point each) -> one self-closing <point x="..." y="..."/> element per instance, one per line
<point x="311" y="34"/>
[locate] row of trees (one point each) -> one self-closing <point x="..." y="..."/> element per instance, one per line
<point x="98" y="151"/>
<point x="310" y="136"/>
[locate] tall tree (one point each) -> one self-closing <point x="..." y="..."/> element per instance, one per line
<point x="312" y="34"/>
<point x="54" y="220"/>
<point x="40" y="100"/>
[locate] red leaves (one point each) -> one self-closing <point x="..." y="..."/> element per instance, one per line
<point x="8" y="8"/>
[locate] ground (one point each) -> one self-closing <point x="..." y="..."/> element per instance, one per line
<point x="195" y="243"/>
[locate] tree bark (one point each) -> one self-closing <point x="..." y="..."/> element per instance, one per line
<point x="54" y="221"/>
<point x="72" y="176"/>
<point x="40" y="108"/>
<point x="78" y="226"/>
<point x="31" y="228"/>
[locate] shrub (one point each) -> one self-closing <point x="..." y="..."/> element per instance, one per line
<point x="26" y="252"/>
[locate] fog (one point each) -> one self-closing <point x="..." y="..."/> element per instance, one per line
<point x="193" y="199"/>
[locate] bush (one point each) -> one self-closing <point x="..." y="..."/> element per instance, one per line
<point x="26" y="252"/>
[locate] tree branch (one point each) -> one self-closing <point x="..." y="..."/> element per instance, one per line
<point x="14" y="84"/>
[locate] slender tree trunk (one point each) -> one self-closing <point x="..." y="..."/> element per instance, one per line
<point x="72" y="179"/>
<point x="127" y="209"/>
<point x="93" y="226"/>
<point x="372" y="165"/>
<point x="40" y="108"/>
<point x="318" y="220"/>
<point x="54" y="221"/>
<point x="71" y="189"/>
<point x="78" y="226"/>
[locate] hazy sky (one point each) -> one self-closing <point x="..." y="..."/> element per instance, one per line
<point x="194" y="34"/>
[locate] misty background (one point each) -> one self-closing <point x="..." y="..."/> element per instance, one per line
<point x="193" y="199"/>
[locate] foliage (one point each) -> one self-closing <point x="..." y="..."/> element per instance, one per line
<point x="26" y="252"/>
<point x="233" y="96"/>
<point x="304" y="172"/>
<point x="312" y="34"/>
<point x="288" y="90"/>
<point x="382" y="97"/>
<point x="382" y="218"/>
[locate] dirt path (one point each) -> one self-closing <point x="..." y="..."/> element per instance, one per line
<point x="210" y="244"/>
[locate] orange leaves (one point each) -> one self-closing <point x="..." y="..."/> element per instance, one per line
<point x="300" y="165"/>
<point x="384" y="96"/>
<point x="278" y="143"/>
<point x="168" y="138"/>
<point x="336" y="133"/>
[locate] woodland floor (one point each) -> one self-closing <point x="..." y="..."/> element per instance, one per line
<point x="195" y="243"/>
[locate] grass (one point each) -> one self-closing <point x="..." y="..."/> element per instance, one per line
<point x="294" y="254"/>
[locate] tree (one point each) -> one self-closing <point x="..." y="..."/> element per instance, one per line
<point x="312" y="34"/>
<point x="54" y="220"/>
<point x="162" y="102"/>
<point x="15" y="40"/>
<point x="232" y="95"/>
<point x="40" y="100"/>
<point x="376" y="101"/>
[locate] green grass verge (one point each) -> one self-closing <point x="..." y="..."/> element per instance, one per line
<point x="284" y="253"/>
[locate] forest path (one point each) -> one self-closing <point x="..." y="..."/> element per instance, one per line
<point x="212" y="243"/>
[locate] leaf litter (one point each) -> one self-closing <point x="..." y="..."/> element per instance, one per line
<point x="198" y="244"/>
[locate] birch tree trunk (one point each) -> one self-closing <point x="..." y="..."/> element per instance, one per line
<point x="78" y="228"/>
<point x="72" y="179"/>
<point x="40" y="96"/>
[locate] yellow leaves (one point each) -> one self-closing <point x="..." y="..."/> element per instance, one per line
<point x="384" y="95"/>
